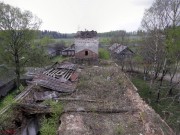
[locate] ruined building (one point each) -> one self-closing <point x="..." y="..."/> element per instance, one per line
<point x="86" y="46"/>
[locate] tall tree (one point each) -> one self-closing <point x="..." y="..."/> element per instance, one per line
<point x="16" y="32"/>
<point x="161" y="22"/>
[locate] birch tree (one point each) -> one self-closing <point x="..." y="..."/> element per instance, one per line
<point x="161" y="22"/>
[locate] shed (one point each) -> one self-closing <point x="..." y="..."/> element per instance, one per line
<point x="119" y="51"/>
<point x="51" y="52"/>
<point x="70" y="51"/>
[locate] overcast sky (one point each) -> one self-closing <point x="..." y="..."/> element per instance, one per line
<point x="69" y="16"/>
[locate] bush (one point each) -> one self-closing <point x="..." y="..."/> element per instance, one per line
<point x="103" y="54"/>
<point x="49" y="125"/>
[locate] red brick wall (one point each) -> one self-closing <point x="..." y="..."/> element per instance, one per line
<point x="81" y="54"/>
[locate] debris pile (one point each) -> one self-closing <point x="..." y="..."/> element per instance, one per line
<point x="86" y="34"/>
<point x="58" y="78"/>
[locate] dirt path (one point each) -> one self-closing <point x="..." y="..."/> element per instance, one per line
<point x="167" y="76"/>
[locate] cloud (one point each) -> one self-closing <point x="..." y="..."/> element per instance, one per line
<point x="72" y="15"/>
<point x="144" y="3"/>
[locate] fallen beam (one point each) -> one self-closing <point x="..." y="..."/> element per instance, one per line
<point x="78" y="99"/>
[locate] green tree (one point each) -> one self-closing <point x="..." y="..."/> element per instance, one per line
<point x="37" y="56"/>
<point x="17" y="29"/>
<point x="46" y="40"/>
<point x="104" y="54"/>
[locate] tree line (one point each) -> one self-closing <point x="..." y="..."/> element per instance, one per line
<point x="121" y="32"/>
<point x="52" y="34"/>
<point x="58" y="35"/>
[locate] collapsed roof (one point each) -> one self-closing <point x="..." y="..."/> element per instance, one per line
<point x="86" y="34"/>
<point x="59" y="77"/>
<point x="118" y="48"/>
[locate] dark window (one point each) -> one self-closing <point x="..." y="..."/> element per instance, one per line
<point x="86" y="53"/>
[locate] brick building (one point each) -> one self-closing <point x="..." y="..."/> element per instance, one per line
<point x="86" y="46"/>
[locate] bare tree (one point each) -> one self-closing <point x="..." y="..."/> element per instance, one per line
<point x="160" y="22"/>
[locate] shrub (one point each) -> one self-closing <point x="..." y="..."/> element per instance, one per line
<point x="49" y="125"/>
<point x="103" y="54"/>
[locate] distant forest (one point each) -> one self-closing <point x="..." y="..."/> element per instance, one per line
<point x="52" y="34"/>
<point x="58" y="35"/>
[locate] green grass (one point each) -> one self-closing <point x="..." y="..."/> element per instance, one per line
<point x="7" y="117"/>
<point x="59" y="59"/>
<point x="9" y="98"/>
<point x="49" y="125"/>
<point x="167" y="103"/>
<point x="68" y="41"/>
<point x="104" y="54"/>
<point x="6" y="101"/>
<point x="120" y="130"/>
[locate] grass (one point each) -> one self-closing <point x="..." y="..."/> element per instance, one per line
<point x="68" y="41"/>
<point x="120" y="130"/>
<point x="168" y="107"/>
<point x="104" y="54"/>
<point x="7" y="117"/>
<point x="49" y="125"/>
<point x="6" y="120"/>
<point x="9" y="99"/>
<point x="58" y="59"/>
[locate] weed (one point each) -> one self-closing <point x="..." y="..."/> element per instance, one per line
<point x="49" y="125"/>
<point x="104" y="54"/>
<point x="168" y="104"/>
<point x="120" y="130"/>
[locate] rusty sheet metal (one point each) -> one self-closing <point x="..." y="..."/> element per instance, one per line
<point x="74" y="77"/>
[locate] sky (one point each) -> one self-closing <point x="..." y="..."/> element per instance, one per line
<point x="70" y="16"/>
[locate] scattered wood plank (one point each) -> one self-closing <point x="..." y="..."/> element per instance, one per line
<point x="78" y="99"/>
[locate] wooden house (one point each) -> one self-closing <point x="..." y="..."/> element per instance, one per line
<point x="121" y="52"/>
<point x="70" y="51"/>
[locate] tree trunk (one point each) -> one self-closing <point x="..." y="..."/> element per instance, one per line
<point x="170" y="91"/>
<point x="162" y="78"/>
<point x="17" y="70"/>
<point x="158" y="95"/>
